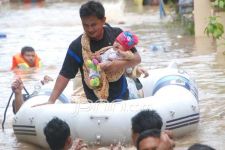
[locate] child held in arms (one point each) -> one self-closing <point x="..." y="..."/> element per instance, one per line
<point x="121" y="50"/>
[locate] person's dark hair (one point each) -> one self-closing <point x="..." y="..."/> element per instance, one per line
<point x="145" y="120"/>
<point x="56" y="132"/>
<point x="26" y="49"/>
<point x="92" y="8"/>
<point x="155" y="133"/>
<point x="198" y="146"/>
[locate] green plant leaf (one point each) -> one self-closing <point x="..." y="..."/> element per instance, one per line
<point x="220" y="26"/>
<point x="217" y="34"/>
<point x="210" y="28"/>
<point x="221" y="4"/>
<point x="216" y="3"/>
<point x="214" y="28"/>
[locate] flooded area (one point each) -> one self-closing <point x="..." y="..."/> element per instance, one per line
<point x="50" y="27"/>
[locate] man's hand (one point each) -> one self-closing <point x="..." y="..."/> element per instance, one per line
<point x="17" y="86"/>
<point x="105" y="66"/>
<point x="117" y="146"/>
<point x="166" y="143"/>
<point x="169" y="133"/>
<point x="79" y="145"/>
<point x="141" y="71"/>
<point x="46" y="79"/>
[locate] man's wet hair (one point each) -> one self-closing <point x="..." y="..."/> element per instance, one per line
<point x="92" y="8"/>
<point x="145" y="120"/>
<point x="198" y="146"/>
<point x="56" y="132"/>
<point x="155" y="133"/>
<point x="26" y="49"/>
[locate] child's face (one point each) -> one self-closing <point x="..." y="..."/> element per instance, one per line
<point x="117" y="46"/>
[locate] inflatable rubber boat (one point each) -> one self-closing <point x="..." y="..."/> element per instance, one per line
<point x="169" y="91"/>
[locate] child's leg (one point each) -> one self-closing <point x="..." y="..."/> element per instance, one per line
<point x="139" y="87"/>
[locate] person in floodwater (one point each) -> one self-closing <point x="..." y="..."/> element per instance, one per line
<point x="17" y="87"/>
<point x="58" y="136"/>
<point x="42" y="87"/>
<point x="27" y="58"/>
<point x="147" y="120"/>
<point x="198" y="146"/>
<point x="153" y="139"/>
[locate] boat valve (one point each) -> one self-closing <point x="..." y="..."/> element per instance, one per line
<point x="172" y="113"/>
<point x="99" y="122"/>
<point x="181" y="71"/>
<point x="31" y="120"/>
<point x="98" y="139"/>
<point x="99" y="119"/>
<point x="15" y="119"/>
<point x="193" y="107"/>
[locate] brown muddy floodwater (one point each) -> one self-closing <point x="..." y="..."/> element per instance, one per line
<point x="50" y="27"/>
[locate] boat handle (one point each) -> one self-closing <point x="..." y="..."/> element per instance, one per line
<point x="99" y="117"/>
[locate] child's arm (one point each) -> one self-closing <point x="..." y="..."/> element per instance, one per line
<point x="136" y="72"/>
<point x="127" y="55"/>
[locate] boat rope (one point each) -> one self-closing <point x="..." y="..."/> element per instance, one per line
<point x="3" y="122"/>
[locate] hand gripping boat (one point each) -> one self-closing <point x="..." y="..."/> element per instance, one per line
<point x="169" y="91"/>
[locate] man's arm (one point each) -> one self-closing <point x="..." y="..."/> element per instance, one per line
<point x="17" y="87"/>
<point x="60" y="85"/>
<point x="115" y="65"/>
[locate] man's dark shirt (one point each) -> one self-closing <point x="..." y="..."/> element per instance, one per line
<point x="74" y="61"/>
